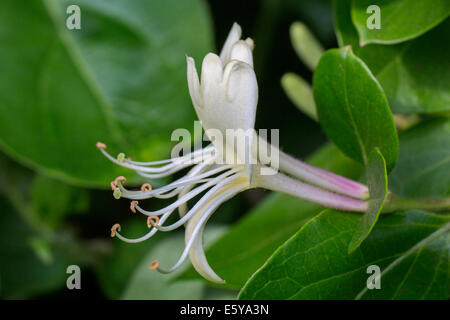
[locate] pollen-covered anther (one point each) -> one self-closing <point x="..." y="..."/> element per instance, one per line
<point x="146" y="187"/>
<point x="152" y="221"/>
<point x="154" y="265"/>
<point x="121" y="157"/>
<point x="115" y="183"/>
<point x="115" y="228"/>
<point x="118" y="179"/>
<point x="133" y="206"/>
<point x="117" y="193"/>
<point x="100" y="145"/>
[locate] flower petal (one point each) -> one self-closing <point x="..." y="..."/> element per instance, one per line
<point x="233" y="36"/>
<point x="196" y="253"/>
<point x="193" y="83"/>
<point x="242" y="51"/>
<point x="211" y="79"/>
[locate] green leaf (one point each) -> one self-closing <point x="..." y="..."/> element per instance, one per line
<point x="28" y="266"/>
<point x="307" y="47"/>
<point x="152" y="285"/>
<point x="400" y="20"/>
<point x="314" y="263"/>
<point x="346" y="33"/>
<point x="149" y="284"/>
<point x="52" y="200"/>
<point x="414" y="75"/>
<point x="245" y="247"/>
<point x="121" y="80"/>
<point x="423" y="169"/>
<point x="377" y="182"/>
<point x="352" y="107"/>
<point x="114" y="273"/>
<point x="300" y="93"/>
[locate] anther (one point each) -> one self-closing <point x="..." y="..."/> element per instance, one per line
<point x="113" y="230"/>
<point x="100" y="145"/>
<point x="133" y="206"/>
<point x="146" y="187"/>
<point x="121" y="157"/>
<point x="117" y="193"/>
<point x="118" y="179"/>
<point x="155" y="265"/>
<point x="152" y="221"/>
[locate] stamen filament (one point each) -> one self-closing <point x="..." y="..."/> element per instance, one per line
<point x="210" y="194"/>
<point x="199" y="226"/>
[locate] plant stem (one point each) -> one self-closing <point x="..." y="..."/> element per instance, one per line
<point x="319" y="177"/>
<point x="285" y="184"/>
<point x="395" y="203"/>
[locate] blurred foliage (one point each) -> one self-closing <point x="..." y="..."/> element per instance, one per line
<point x="121" y="80"/>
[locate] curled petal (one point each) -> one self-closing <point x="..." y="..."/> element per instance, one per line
<point x="193" y="83"/>
<point x="242" y="51"/>
<point x="196" y="224"/>
<point x="233" y="36"/>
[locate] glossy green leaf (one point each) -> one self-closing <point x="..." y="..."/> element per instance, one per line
<point x="377" y="182"/>
<point x="423" y="169"/>
<point x="414" y="75"/>
<point x="150" y="284"/>
<point x="352" y="107"/>
<point x="314" y="263"/>
<point x="346" y="33"/>
<point x="400" y="20"/>
<point x="245" y="247"/>
<point x="300" y="93"/>
<point x="121" y="80"/>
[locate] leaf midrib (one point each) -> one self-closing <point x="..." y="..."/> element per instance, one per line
<point x="347" y="106"/>
<point x="86" y="76"/>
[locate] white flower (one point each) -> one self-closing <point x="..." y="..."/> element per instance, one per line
<point x="225" y="98"/>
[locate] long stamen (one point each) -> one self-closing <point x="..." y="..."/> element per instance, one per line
<point x="173" y="165"/>
<point x="147" y="236"/>
<point x="194" y="154"/>
<point x="211" y="193"/>
<point x="189" y="195"/>
<point x="198" y="169"/>
<point x="160" y="192"/>
<point x="199" y="226"/>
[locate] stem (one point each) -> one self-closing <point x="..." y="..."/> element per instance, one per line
<point x="322" y="178"/>
<point x="395" y="203"/>
<point x="316" y="176"/>
<point x="282" y="183"/>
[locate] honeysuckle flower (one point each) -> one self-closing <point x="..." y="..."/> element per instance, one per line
<point x="224" y="98"/>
